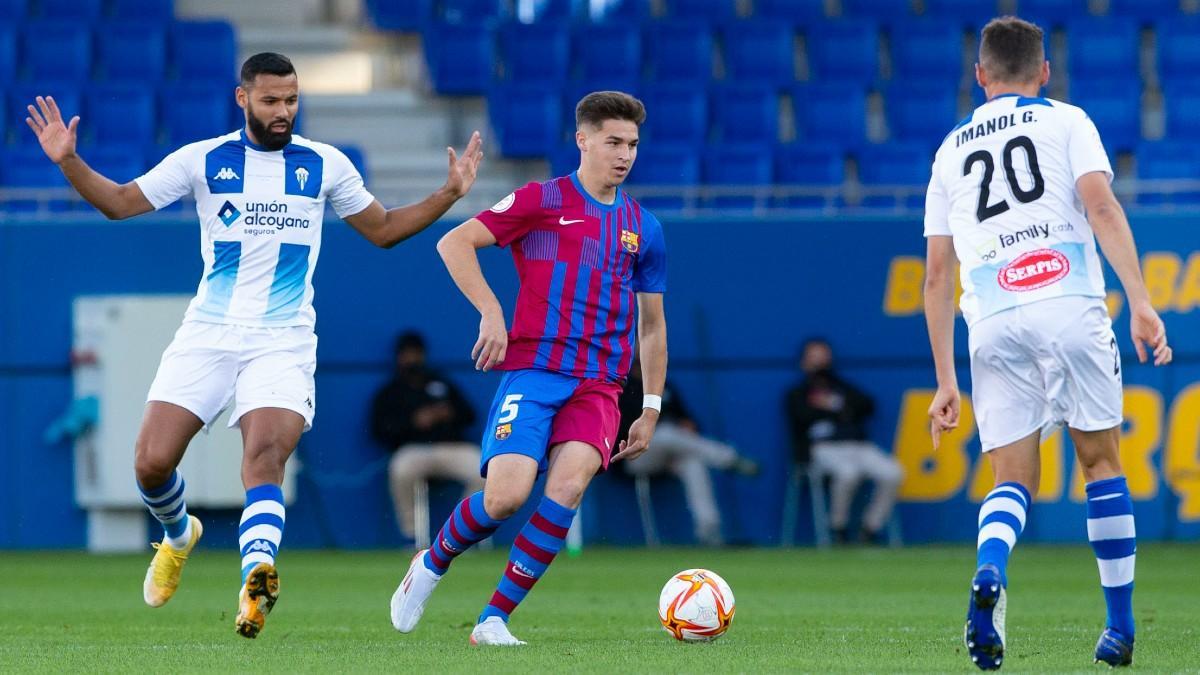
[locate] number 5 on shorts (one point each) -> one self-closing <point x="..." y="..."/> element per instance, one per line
<point x="508" y="409"/>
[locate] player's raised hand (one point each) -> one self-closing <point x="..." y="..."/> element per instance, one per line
<point x="463" y="169"/>
<point x="57" y="139"/>
<point x="1146" y="328"/>
<point x="490" y="348"/>
<point x="640" y="434"/>
<point x="943" y="413"/>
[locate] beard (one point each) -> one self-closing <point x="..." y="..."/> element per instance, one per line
<point x="271" y="140"/>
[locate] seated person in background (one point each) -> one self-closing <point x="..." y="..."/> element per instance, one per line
<point x="829" y="426"/>
<point x="678" y="447"/>
<point x="423" y="419"/>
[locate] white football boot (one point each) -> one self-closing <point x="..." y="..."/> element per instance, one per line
<point x="408" y="602"/>
<point x="493" y="631"/>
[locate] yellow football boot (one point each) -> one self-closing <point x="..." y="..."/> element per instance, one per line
<point x="257" y="597"/>
<point x="162" y="577"/>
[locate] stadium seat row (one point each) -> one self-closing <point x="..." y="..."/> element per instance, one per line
<point x="117" y="50"/>
<point x="466" y="58"/>
<point x="414" y="15"/>
<point x="87" y="10"/>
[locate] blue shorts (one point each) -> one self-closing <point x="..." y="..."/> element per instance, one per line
<point x="534" y="410"/>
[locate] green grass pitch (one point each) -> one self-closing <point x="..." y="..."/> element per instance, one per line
<point x="797" y="610"/>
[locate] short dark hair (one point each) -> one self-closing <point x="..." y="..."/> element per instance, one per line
<point x="410" y="340"/>
<point x="599" y="106"/>
<point x="1012" y="50"/>
<point x="813" y="341"/>
<point x="266" y="63"/>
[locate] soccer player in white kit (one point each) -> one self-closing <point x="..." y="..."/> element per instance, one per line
<point x="247" y="339"/>
<point x="1017" y="192"/>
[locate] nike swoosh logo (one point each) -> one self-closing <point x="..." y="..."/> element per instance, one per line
<point x="563" y="221"/>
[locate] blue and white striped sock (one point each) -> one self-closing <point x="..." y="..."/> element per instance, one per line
<point x="261" y="528"/>
<point x="168" y="506"/>
<point x="1001" y="521"/>
<point x="1113" y="537"/>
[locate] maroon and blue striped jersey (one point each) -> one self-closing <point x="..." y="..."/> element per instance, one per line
<point x="580" y="264"/>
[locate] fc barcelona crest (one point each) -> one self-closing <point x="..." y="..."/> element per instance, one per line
<point x="630" y="240"/>
<point x="503" y="431"/>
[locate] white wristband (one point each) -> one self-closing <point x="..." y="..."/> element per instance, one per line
<point x="652" y="401"/>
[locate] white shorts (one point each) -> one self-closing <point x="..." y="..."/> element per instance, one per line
<point x="210" y="366"/>
<point x="1047" y="363"/>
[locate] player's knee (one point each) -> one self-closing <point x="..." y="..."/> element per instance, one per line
<point x="568" y="491"/>
<point x="151" y="471"/>
<point x="501" y="505"/>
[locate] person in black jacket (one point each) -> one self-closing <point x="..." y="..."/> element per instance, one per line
<point x="678" y="447"/>
<point x="829" y="430"/>
<point x="423" y="419"/>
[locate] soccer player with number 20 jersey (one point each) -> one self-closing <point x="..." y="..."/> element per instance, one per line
<point x="585" y="252"/>
<point x="247" y="340"/>
<point x="1019" y="195"/>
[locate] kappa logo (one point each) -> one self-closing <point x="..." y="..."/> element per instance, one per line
<point x="308" y="402"/>
<point x="301" y="176"/>
<point x="226" y="173"/>
<point x="260" y="545"/>
<point x="228" y="213"/>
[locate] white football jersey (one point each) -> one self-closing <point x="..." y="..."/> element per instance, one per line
<point x="1003" y="186"/>
<point x="260" y="222"/>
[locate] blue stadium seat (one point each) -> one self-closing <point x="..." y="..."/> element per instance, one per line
<point x="843" y="50"/>
<point x="400" y="16"/>
<point x="675" y="114"/>
<point x="28" y="167"/>
<point x="679" y="51"/>
<point x="972" y="13"/>
<point x="4" y="117"/>
<point x="790" y="11"/>
<point x="1102" y="48"/>
<point x="115" y="162"/>
<point x="928" y="49"/>
<point x="357" y="158"/>
<point x="1168" y="160"/>
<point x="157" y="11"/>
<point x="608" y="51"/>
<point x="895" y="164"/>
<point x="8" y="53"/>
<point x="884" y="11"/>
<point x="564" y="159"/>
<point x="193" y="112"/>
<point x="746" y="113"/>
<point x="809" y="164"/>
<point x="1145" y="11"/>
<point x="705" y="10"/>
<point x="69" y="10"/>
<point x="1181" y="101"/>
<point x="559" y="11"/>
<point x="469" y="11"/>
<point x="1115" y="106"/>
<point x="121" y="114"/>
<point x="921" y="114"/>
<point x="759" y="51"/>
<point x="738" y="164"/>
<point x="535" y="53"/>
<point x="664" y="164"/>
<point x="128" y="51"/>
<point x="460" y="57"/>
<point x="526" y="118"/>
<point x="635" y="11"/>
<point x="56" y="50"/>
<point x="1051" y="14"/>
<point x="204" y="51"/>
<point x="66" y="95"/>
<point x="1178" y="45"/>
<point x="12" y="11"/>
<point x="826" y="112"/>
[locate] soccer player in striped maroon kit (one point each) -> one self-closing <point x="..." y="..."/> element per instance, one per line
<point x="585" y="252"/>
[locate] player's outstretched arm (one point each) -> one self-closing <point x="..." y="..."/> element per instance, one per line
<point x="58" y="142"/>
<point x="458" y="250"/>
<point x="1108" y="221"/>
<point x="652" y="341"/>
<point x="939" y="317"/>
<point x="387" y="227"/>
